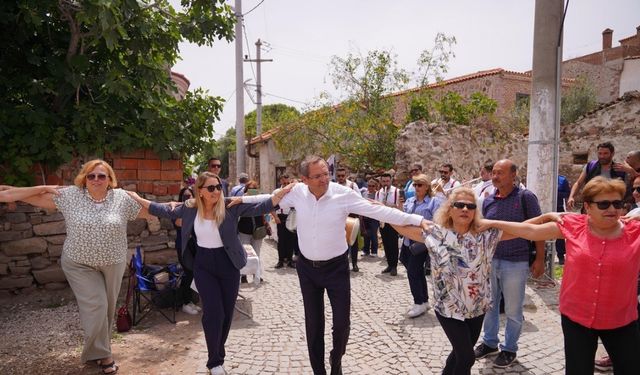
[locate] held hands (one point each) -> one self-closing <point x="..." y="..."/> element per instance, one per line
<point x="50" y="189"/>
<point x="234" y="201"/>
<point x="426" y="225"/>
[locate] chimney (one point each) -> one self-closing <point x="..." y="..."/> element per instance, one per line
<point x="607" y="37"/>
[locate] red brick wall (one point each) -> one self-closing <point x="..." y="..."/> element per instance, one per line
<point x="142" y="171"/>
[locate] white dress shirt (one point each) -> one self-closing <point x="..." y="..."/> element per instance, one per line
<point x="449" y="185"/>
<point x="388" y="196"/>
<point x="321" y="222"/>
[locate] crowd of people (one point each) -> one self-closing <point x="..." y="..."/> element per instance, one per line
<point x="478" y="241"/>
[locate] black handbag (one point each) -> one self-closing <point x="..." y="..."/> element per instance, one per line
<point x="417" y="248"/>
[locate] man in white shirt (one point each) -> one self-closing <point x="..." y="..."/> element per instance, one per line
<point x="322" y="209"/>
<point x="389" y="196"/>
<point x="446" y="181"/>
<point x="484" y="188"/>
<point x="287" y="240"/>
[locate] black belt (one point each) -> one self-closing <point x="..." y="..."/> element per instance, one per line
<point x="323" y="263"/>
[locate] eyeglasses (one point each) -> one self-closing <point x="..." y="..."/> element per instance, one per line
<point x="319" y="176"/>
<point x="444" y="172"/>
<point x="603" y="205"/>
<point x="212" y="188"/>
<point x="99" y="176"/>
<point x="636" y="189"/>
<point x="461" y="205"/>
<point x="215" y="165"/>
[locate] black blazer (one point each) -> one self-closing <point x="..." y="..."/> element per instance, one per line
<point x="228" y="228"/>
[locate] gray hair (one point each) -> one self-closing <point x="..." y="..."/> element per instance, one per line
<point x="309" y="160"/>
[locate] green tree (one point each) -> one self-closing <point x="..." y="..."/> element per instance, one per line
<point x="82" y="78"/>
<point x="272" y="116"/>
<point x="578" y="100"/>
<point x="360" y="129"/>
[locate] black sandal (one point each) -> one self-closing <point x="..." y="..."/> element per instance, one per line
<point x="108" y="366"/>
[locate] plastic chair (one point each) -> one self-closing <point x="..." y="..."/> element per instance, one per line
<point x="154" y="286"/>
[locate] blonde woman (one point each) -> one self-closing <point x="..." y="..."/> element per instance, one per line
<point x="217" y="257"/>
<point x="95" y="250"/>
<point x="421" y="203"/>
<point x="461" y="270"/>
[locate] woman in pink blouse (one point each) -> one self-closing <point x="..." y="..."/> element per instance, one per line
<point x="598" y="294"/>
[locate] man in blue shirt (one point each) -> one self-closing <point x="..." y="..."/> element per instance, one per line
<point x="510" y="265"/>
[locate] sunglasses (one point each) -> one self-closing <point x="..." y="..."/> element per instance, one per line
<point x="636" y="189"/>
<point x="418" y="185"/>
<point x="444" y="172"/>
<point x="215" y="165"/>
<point x="99" y="176"/>
<point x="414" y="170"/>
<point x="603" y="205"/>
<point x="341" y="176"/>
<point x="461" y="205"/>
<point x="212" y="188"/>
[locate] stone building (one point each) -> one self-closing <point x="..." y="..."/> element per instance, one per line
<point x="31" y="238"/>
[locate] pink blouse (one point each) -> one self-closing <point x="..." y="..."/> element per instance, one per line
<point x="600" y="275"/>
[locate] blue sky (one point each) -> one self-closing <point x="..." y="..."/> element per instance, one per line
<point x="304" y="35"/>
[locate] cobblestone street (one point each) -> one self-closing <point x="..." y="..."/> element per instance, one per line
<point x="383" y="340"/>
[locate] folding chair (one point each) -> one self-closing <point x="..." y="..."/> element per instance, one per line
<point x="156" y="289"/>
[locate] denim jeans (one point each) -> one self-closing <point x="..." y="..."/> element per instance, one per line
<point x="371" y="236"/>
<point x="509" y="279"/>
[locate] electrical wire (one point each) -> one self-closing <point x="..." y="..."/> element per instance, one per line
<point x="254" y="8"/>
<point x="282" y="97"/>
<point x="244" y="29"/>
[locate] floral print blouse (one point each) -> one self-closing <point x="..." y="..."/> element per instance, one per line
<point x="96" y="232"/>
<point x="461" y="271"/>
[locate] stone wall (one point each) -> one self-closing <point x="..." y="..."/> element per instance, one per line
<point x="467" y="149"/>
<point x="31" y="238"/>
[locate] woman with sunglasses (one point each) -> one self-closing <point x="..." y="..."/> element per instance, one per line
<point x="598" y="294"/>
<point x="413" y="255"/>
<point x="461" y="270"/>
<point x="95" y="250"/>
<point x="217" y="257"/>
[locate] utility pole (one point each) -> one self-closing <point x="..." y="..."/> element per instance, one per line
<point x="258" y="62"/>
<point x="544" y="116"/>
<point x="240" y="148"/>
<point x="544" y="120"/>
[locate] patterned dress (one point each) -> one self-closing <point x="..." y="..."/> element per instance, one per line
<point x="461" y="271"/>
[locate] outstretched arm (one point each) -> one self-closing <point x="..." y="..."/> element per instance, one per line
<point x="528" y="231"/>
<point x="40" y="196"/>
<point x="575" y="188"/>
<point x="413" y="232"/>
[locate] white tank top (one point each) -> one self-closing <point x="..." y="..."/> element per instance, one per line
<point x="207" y="233"/>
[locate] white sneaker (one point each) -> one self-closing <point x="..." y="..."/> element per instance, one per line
<point x="190" y="309"/>
<point x="196" y="306"/>
<point x="218" y="370"/>
<point x="418" y="310"/>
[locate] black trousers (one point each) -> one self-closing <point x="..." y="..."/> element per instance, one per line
<point x="287" y="240"/>
<point x="218" y="281"/>
<point x="314" y="280"/>
<point x="463" y="335"/>
<point x="415" y="274"/>
<point x="390" y="243"/>
<point x="580" y="345"/>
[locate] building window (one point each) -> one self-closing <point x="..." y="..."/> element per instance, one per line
<point x="580" y="158"/>
<point x="522" y="99"/>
